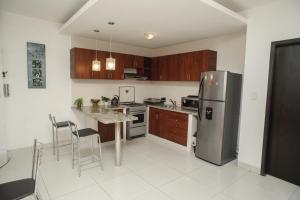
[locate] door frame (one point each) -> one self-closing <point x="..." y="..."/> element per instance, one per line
<point x="274" y="46"/>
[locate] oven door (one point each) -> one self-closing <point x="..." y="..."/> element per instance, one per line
<point x="141" y="121"/>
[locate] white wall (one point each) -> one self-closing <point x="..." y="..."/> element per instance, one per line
<point x="231" y="53"/>
<point x="27" y="109"/>
<point x="273" y="22"/>
<point x="104" y="46"/>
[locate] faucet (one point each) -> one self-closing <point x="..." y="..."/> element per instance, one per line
<point x="173" y="102"/>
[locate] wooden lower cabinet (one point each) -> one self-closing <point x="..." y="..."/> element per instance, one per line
<point x="107" y="131"/>
<point x="169" y="125"/>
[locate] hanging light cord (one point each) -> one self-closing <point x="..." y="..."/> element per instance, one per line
<point x="96" y="49"/>
<point x="110" y="43"/>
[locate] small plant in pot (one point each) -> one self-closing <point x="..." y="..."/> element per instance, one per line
<point x="78" y="103"/>
<point x="95" y="102"/>
<point x="105" y="100"/>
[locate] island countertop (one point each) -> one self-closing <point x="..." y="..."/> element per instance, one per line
<point x="105" y="115"/>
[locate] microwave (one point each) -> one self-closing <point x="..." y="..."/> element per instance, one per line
<point x="190" y="102"/>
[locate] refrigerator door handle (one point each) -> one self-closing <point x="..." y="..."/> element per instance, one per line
<point x="200" y="96"/>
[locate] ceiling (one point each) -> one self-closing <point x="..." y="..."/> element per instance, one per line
<point x="240" y="5"/>
<point x="51" y="10"/>
<point x="174" y="21"/>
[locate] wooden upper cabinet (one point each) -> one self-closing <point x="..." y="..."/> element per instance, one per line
<point x="81" y="63"/>
<point x="178" y="67"/>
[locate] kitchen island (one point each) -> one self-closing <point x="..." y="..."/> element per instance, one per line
<point x="108" y="115"/>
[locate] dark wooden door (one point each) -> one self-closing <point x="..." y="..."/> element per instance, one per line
<point x="283" y="152"/>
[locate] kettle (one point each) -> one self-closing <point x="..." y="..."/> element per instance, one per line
<point x="115" y="100"/>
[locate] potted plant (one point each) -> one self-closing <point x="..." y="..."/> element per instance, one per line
<point x="105" y="100"/>
<point x="78" y="102"/>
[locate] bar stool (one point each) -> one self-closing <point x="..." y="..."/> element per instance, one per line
<point x="55" y="127"/>
<point x="77" y="134"/>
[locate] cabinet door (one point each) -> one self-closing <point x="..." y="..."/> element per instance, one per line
<point x="118" y="73"/>
<point x="177" y="127"/>
<point x="81" y="63"/>
<point x="155" y="70"/>
<point x="184" y="66"/>
<point x="139" y="63"/>
<point x="173" y="67"/>
<point x="196" y="65"/>
<point x="163" y="67"/>
<point x="107" y="131"/>
<point x="154" y="121"/>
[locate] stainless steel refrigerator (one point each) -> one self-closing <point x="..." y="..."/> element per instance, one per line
<point x="218" y="116"/>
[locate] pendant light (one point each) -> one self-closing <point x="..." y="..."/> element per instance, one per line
<point x="96" y="66"/>
<point x="110" y="62"/>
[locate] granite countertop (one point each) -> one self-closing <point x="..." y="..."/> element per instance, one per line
<point x="106" y="115"/>
<point x="175" y="109"/>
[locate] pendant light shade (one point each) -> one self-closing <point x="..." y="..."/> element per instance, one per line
<point x="96" y="65"/>
<point x="110" y="62"/>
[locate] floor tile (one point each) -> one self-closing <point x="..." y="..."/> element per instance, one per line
<point x="152" y="194"/>
<point x="90" y="193"/>
<point x="253" y="186"/>
<point x="186" y="188"/>
<point x="295" y="195"/>
<point x="158" y="175"/>
<point x="217" y="177"/>
<point x="125" y="187"/>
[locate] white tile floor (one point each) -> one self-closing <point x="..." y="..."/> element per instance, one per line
<point x="150" y="171"/>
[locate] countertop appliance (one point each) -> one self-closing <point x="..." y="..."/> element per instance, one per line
<point x="137" y="127"/>
<point x="218" y="109"/>
<point x="155" y="101"/>
<point x="190" y="102"/>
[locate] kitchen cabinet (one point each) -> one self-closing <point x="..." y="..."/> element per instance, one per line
<point x="169" y="125"/>
<point x="184" y="66"/>
<point x="81" y="64"/>
<point x="107" y="131"/>
<point x="177" y="67"/>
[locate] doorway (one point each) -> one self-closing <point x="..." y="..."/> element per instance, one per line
<point x="281" y="151"/>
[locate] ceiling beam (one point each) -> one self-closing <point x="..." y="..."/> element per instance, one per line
<point x="82" y="10"/>
<point x="225" y="10"/>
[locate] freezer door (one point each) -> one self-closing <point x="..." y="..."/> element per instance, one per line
<point x="210" y="132"/>
<point x="214" y="85"/>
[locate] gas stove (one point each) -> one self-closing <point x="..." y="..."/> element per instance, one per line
<point x="132" y="106"/>
<point x="136" y="127"/>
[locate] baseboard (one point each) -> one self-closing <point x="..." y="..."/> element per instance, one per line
<point x="249" y="167"/>
<point x="166" y="142"/>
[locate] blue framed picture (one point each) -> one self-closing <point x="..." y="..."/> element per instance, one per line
<point x="36" y="65"/>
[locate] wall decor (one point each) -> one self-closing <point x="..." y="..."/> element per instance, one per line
<point x="36" y="65"/>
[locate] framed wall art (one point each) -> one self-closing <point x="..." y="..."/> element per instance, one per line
<point x="36" y="65"/>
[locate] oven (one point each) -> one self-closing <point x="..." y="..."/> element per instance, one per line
<point x="137" y="127"/>
<point x="141" y="121"/>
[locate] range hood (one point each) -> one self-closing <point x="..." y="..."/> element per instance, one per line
<point x="132" y="74"/>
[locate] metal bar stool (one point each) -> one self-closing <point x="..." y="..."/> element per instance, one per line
<point x="55" y="127"/>
<point x="77" y="134"/>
